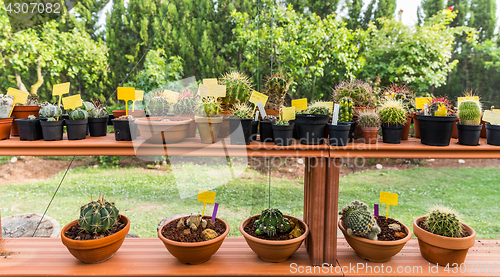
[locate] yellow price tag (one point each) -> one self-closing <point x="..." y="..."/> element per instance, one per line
<point x="472" y="98"/>
<point x="139" y="95"/>
<point x="288" y="113"/>
<point x="203" y="90"/>
<point x="257" y="97"/>
<point x="300" y="104"/>
<point x="216" y="91"/>
<point x="72" y="102"/>
<point x="442" y="111"/>
<point x="126" y="94"/>
<point x="492" y="117"/>
<point x="210" y="82"/>
<point x="172" y="96"/>
<point x="20" y="97"/>
<point x="421" y="101"/>
<point x="206" y="196"/>
<point x="60" y="89"/>
<point x="389" y="199"/>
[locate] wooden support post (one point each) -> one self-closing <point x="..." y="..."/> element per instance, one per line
<point x="331" y="211"/>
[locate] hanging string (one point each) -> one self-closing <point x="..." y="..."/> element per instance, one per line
<point x="269" y="172"/>
<point x="272" y="36"/>
<point x="258" y="45"/>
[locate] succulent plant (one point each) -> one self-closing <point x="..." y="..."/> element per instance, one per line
<point x="78" y="114"/>
<point x="6" y="103"/>
<point x="436" y="102"/>
<point x="187" y="104"/>
<point x="238" y="89"/>
<point x="276" y="87"/>
<point x="51" y="119"/>
<point x="403" y="93"/>
<point x="346" y="109"/>
<point x="209" y="106"/>
<point x="369" y="118"/>
<point x="469" y="113"/>
<point x="98" y="216"/>
<point x="282" y="123"/>
<point x="444" y="222"/>
<point x="270" y="118"/>
<point x="87" y="106"/>
<point x="32" y="100"/>
<point x="321" y="106"/>
<point x="242" y="111"/>
<point x="98" y="111"/>
<point x="359" y="221"/>
<point x="126" y="117"/>
<point x="270" y="222"/>
<point x="393" y="111"/>
<point x="360" y="92"/>
<point x="158" y="106"/>
<point x="31" y="117"/>
<point x="50" y="110"/>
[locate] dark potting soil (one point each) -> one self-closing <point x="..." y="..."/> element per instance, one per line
<point x="422" y="225"/>
<point x="171" y="232"/>
<point x="388" y="234"/>
<point x="77" y="233"/>
<point x="250" y="229"/>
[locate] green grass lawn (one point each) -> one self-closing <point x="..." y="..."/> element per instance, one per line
<point x="148" y="196"/>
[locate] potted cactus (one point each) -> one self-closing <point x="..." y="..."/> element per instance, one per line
<point x="376" y="239"/>
<point x="276" y="89"/>
<point x="6" y="103"/>
<point x="209" y="119"/>
<point x="29" y="128"/>
<point x="77" y="124"/>
<point x="52" y="124"/>
<point x="311" y="125"/>
<point x="442" y="238"/>
<point x="187" y="106"/>
<point x="30" y="107"/>
<point x="436" y="122"/>
<point x="369" y="121"/>
<point x="469" y="125"/>
<point x="274" y="237"/>
<point x="240" y="124"/>
<point x="343" y="132"/>
<point x="266" y="128"/>
<point x="125" y="128"/>
<point x="404" y="94"/>
<point x="393" y="116"/>
<point x="282" y="131"/>
<point x="97" y="234"/>
<point x="98" y="120"/>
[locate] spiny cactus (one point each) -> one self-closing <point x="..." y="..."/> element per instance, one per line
<point x="277" y="87"/>
<point x="369" y="118"/>
<point x="393" y="111"/>
<point x="403" y="93"/>
<point x="270" y="222"/>
<point x="50" y="110"/>
<point x="360" y="92"/>
<point x="158" y="106"/>
<point x="444" y="222"/>
<point x="6" y="103"/>
<point x="31" y="117"/>
<point x="238" y="89"/>
<point x="98" y="216"/>
<point x="346" y="109"/>
<point x="98" y="111"/>
<point x="282" y="123"/>
<point x="187" y="103"/>
<point x="32" y="100"/>
<point x="209" y="106"/>
<point x="321" y="106"/>
<point x="78" y="114"/>
<point x="87" y="106"/>
<point x="359" y="221"/>
<point x="469" y="113"/>
<point x="242" y="111"/>
<point x="440" y="101"/>
<point x="51" y="119"/>
<point x="270" y="118"/>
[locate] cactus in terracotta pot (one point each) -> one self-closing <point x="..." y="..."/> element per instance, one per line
<point x="271" y="222"/>
<point x="359" y="221"/>
<point x="98" y="216"/>
<point x="444" y="222"/>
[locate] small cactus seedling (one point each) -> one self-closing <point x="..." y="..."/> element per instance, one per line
<point x="282" y="123"/>
<point x="31" y="117"/>
<point x="242" y="111"/>
<point x="469" y="113"/>
<point x="238" y="89"/>
<point x="51" y="119"/>
<point x="359" y="221"/>
<point x="98" y="216"/>
<point x="50" y="110"/>
<point x="270" y="222"/>
<point x="444" y="222"/>
<point x="98" y="111"/>
<point x="346" y="109"/>
<point x="393" y="111"/>
<point x="158" y="106"/>
<point x="78" y="114"/>
<point x="87" y="106"/>
<point x="369" y="118"/>
<point x="32" y="100"/>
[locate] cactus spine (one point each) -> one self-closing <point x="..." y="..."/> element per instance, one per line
<point x="393" y="112"/>
<point x="242" y="111"/>
<point x="359" y="221"/>
<point x="78" y="114"/>
<point x="158" y="106"/>
<point x="98" y="216"/>
<point x="270" y="222"/>
<point x="209" y="106"/>
<point x="238" y="89"/>
<point x="320" y="107"/>
<point x="50" y="110"/>
<point x="32" y="100"/>
<point x="99" y="111"/>
<point x="369" y="118"/>
<point x="346" y="109"/>
<point x="469" y="113"/>
<point x="186" y="104"/>
<point x="444" y="222"/>
<point x="276" y="87"/>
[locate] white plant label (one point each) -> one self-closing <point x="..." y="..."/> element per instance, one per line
<point x="261" y="109"/>
<point x="335" y="114"/>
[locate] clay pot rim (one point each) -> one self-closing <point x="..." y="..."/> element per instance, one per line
<point x="25" y="108"/>
<point x="444" y="242"/>
<point x="150" y="121"/>
<point x="95" y="243"/>
<point x="370" y="128"/>
<point x="193" y="244"/>
<point x="377" y="242"/>
<point x="216" y="118"/>
<point x="273" y="242"/>
<point x="6" y="119"/>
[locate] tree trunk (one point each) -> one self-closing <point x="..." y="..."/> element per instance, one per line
<point x="313" y="88"/>
<point x="20" y="83"/>
<point x="39" y="82"/>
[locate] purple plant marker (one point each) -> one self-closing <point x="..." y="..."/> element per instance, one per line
<point x="375" y="208"/>
<point x="215" y="211"/>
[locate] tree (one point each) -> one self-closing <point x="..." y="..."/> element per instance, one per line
<point x="322" y="8"/>
<point x="353" y="19"/>
<point x="385" y="8"/>
<point x="483" y="18"/>
<point x="368" y="16"/>
<point x="429" y="8"/>
<point x="85" y="17"/>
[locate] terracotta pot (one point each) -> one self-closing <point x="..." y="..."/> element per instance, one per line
<point x="135" y="113"/>
<point x="20" y="112"/>
<point x="372" y="250"/>
<point x="273" y="112"/>
<point x="224" y="131"/>
<point x="274" y="251"/>
<point x="443" y="250"/>
<point x="454" y="132"/>
<point x="5" y="125"/>
<point x="208" y="127"/>
<point x="416" y="126"/>
<point x="358" y="133"/>
<point x="370" y="134"/>
<point x="192" y="125"/>
<point x="483" y="129"/>
<point x="163" y="132"/>
<point x="406" y="128"/>
<point x="193" y="252"/>
<point x="97" y="250"/>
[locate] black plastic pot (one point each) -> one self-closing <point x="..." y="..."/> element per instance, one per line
<point x="98" y="127"/>
<point x="241" y="131"/>
<point x="52" y="130"/>
<point x="77" y="129"/>
<point x="436" y="130"/>
<point x="125" y="130"/>
<point x="295" y="132"/>
<point x="469" y="135"/>
<point x="391" y="133"/>
<point x="311" y="128"/>
<point x="351" y="130"/>
<point x="266" y="131"/>
<point x="255" y="130"/>
<point x="283" y="135"/>
<point x="29" y="129"/>
<point x="339" y="134"/>
<point x="493" y="134"/>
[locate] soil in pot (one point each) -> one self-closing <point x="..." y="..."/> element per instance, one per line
<point x="283" y="135"/>
<point x="339" y="134"/>
<point x="392" y="133"/>
<point x="75" y="232"/>
<point x="52" y="130"/>
<point x="241" y="131"/>
<point x="469" y="135"/>
<point x="125" y="130"/>
<point x="98" y="127"/>
<point x="77" y="129"/>
<point x="250" y="229"/>
<point x="436" y="130"/>
<point x="21" y="112"/>
<point x="5" y="126"/>
<point x="388" y="234"/>
<point x="266" y="131"/>
<point x="29" y="129"/>
<point x="311" y="129"/>
<point x="493" y="134"/>
<point x="171" y="232"/>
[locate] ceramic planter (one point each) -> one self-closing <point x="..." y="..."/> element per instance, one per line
<point x="370" y="134"/>
<point x="311" y="128"/>
<point x="454" y="132"/>
<point x="436" y="130"/>
<point x="192" y="125"/>
<point x="339" y="134"/>
<point x="274" y="251"/>
<point x="266" y="131"/>
<point x="469" y="135"/>
<point x="5" y="126"/>
<point x="97" y="250"/>
<point x="416" y="125"/>
<point x="98" y="127"/>
<point x="358" y="132"/>
<point x="125" y="130"/>
<point x="77" y="129"/>
<point x="493" y="134"/>
<point x="29" y="129"/>
<point x="392" y="133"/>
<point x="209" y="127"/>
<point x="52" y="130"/>
<point x="241" y="131"/>
<point x="443" y="250"/>
<point x="373" y="250"/>
<point x="193" y="252"/>
<point x="283" y="135"/>
<point x="158" y="132"/>
<point x="20" y="112"/>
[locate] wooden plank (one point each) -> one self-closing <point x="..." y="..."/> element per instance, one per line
<point x="316" y="217"/>
<point x="331" y="211"/>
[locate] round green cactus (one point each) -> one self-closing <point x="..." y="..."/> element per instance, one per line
<point x="444" y="222"/>
<point x="98" y="216"/>
<point x="209" y="106"/>
<point x="346" y="109"/>
<point x="78" y="114"/>
<point x="393" y="111"/>
<point x="50" y="110"/>
<point x="369" y="118"/>
<point x="187" y="104"/>
<point x="469" y="113"/>
<point x="238" y="89"/>
<point x="98" y="112"/>
<point x="270" y="222"/>
<point x="87" y="106"/>
<point x="359" y="221"/>
<point x="242" y="111"/>
<point x="158" y="106"/>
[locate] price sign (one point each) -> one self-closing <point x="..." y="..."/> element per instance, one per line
<point x="72" y="102"/>
<point x="442" y="111"/>
<point x="288" y="113"/>
<point x="126" y="94"/>
<point x="258" y="97"/>
<point x="20" y="97"/>
<point x="210" y="82"/>
<point x="216" y="91"/>
<point x="172" y="96"/>
<point x="492" y="117"/>
<point x="203" y="90"/>
<point x="206" y="196"/>
<point x="388" y="199"/>
<point x="472" y="98"/>
<point x="300" y="104"/>
<point x="59" y="90"/>
<point x="421" y="101"/>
